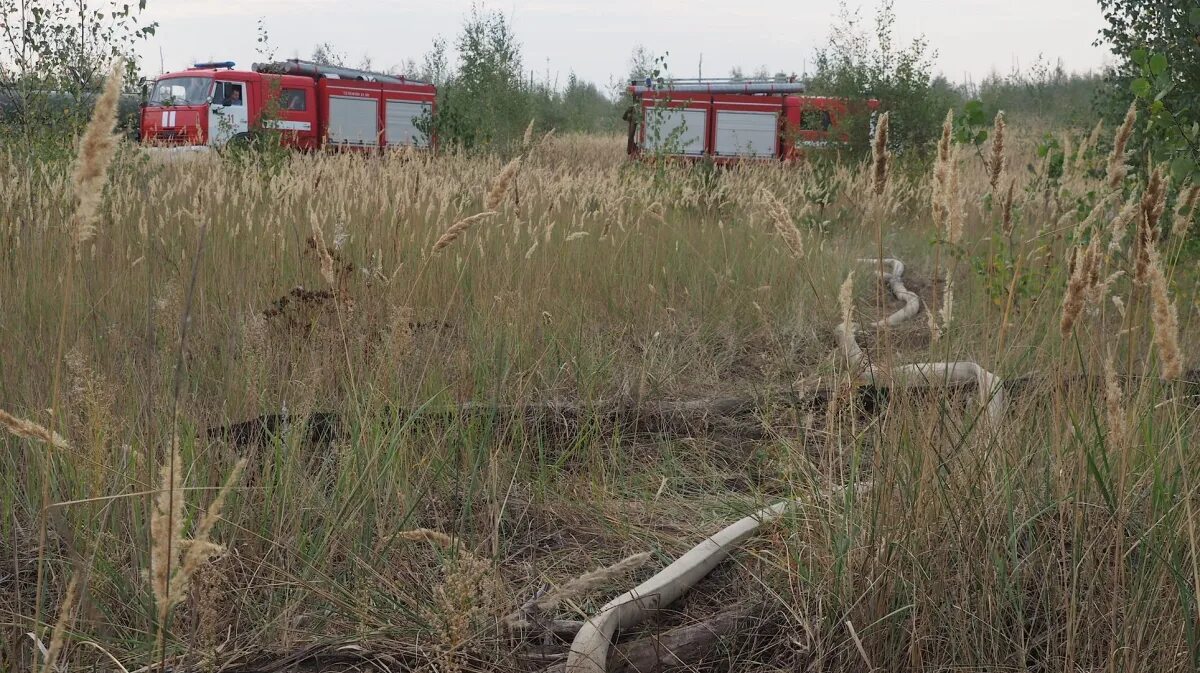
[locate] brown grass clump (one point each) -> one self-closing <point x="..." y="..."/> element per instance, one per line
<point x="1117" y="168"/>
<point x="459" y="228"/>
<point x="468" y="593"/>
<point x="996" y="160"/>
<point x="879" y="156"/>
<point x="27" y="429"/>
<point x="95" y="154"/>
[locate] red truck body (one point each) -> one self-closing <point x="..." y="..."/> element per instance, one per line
<point x="727" y="121"/>
<point x="310" y="106"/>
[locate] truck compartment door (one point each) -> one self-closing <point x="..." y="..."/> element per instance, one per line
<point x="401" y="118"/>
<point x="353" y="121"/>
<point x="747" y="134"/>
<point x="674" y="130"/>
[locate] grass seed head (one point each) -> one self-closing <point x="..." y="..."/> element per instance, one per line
<point x="95" y="154"/>
<point x="459" y="228"/>
<point x="27" y="429"/>
<point x="879" y="155"/>
<point x="1117" y="168"/>
<point x="996" y="160"/>
<point x="502" y="183"/>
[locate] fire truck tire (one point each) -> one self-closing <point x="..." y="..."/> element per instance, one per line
<point x="240" y="141"/>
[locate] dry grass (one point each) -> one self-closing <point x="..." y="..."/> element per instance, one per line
<point x="1060" y="541"/>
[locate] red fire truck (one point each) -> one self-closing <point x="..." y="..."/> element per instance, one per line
<point x="734" y="120"/>
<point x="312" y="106"/>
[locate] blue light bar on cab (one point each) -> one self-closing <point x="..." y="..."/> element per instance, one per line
<point x="216" y="64"/>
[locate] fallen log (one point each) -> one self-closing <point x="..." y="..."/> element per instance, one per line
<point x="739" y="417"/>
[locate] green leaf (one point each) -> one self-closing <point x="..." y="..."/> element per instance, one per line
<point x="1140" y="87"/>
<point x="1194" y="17"/>
<point x="1182" y="168"/>
<point x="1158" y="64"/>
<point x="1139" y="56"/>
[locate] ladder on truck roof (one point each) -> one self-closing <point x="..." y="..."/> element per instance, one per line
<point x="295" y="66"/>
<point x="717" y="85"/>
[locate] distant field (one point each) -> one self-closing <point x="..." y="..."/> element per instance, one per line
<point x="622" y="358"/>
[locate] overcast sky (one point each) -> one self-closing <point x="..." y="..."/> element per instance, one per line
<point x="595" y="37"/>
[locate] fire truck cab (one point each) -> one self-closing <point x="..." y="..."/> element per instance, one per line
<point x="310" y="105"/>
<point x="734" y="120"/>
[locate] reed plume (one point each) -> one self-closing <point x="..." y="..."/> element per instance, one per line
<point x="324" y="257"/>
<point x="27" y="429"/>
<point x="1185" y="213"/>
<point x="501" y="184"/>
<point x="1006" y="209"/>
<point x="846" y="303"/>
<point x="173" y="560"/>
<point x="947" y="311"/>
<point x="941" y="175"/>
<point x="1166" y="319"/>
<point x="66" y="617"/>
<point x="879" y="155"/>
<point x="166" y="531"/>
<point x="200" y="548"/>
<point x="1085" y="262"/>
<point x="592" y="580"/>
<point x="784" y="225"/>
<point x="96" y="150"/>
<point x="1117" y="168"/>
<point x="1090" y="143"/>
<point x="1154" y="201"/>
<point x="952" y="203"/>
<point x="1117" y="427"/>
<point x="527" y="140"/>
<point x="1120" y="223"/>
<point x="428" y="535"/>
<point x="459" y="228"/>
<point x="996" y="160"/>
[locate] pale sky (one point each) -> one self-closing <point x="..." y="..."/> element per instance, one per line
<point x="595" y="38"/>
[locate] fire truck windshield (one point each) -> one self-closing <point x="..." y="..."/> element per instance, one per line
<point x="181" y="91"/>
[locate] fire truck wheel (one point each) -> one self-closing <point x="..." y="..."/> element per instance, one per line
<point x="241" y="141"/>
